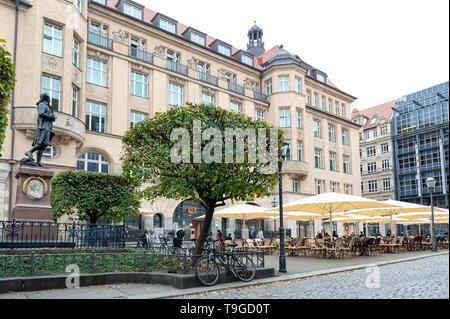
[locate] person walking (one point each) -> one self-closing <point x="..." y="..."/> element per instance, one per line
<point x="152" y="238"/>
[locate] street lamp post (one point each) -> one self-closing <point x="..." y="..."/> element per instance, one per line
<point x="431" y="183"/>
<point x="280" y="182"/>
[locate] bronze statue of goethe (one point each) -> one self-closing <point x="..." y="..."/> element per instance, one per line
<point x="43" y="134"/>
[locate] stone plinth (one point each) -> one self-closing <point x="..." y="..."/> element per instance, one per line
<point x="29" y="206"/>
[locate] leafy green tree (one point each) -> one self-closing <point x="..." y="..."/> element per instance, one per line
<point x="91" y="196"/>
<point x="148" y="154"/>
<point x="7" y="81"/>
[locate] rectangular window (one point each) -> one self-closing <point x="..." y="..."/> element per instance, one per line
<point x="336" y="107"/>
<point x="323" y="102"/>
<point x="384" y="165"/>
<point x="247" y="60"/>
<point x="139" y="83"/>
<point x="317" y="158"/>
<point x="269" y="87"/>
<point x="283" y="84"/>
<point x="316" y="100"/>
<point x="384" y="148"/>
<point x="298" y="85"/>
<point x="308" y="97"/>
<point x="197" y="38"/>
<point x="334" y="187"/>
<point x="175" y="94"/>
<point x="298" y="118"/>
<point x="95" y="117"/>
<point x="259" y="115"/>
<point x="330" y="106"/>
<point x="348" y="189"/>
<point x="77" y="4"/>
<point x="288" y="151"/>
<point x="332" y="161"/>
<point x="285" y="118"/>
<point x="167" y="25"/>
<point x="371" y="167"/>
<point x="224" y="50"/>
<point x="207" y="98"/>
<point x="372" y="186"/>
<point x="317" y="129"/>
<point x="75" y="52"/>
<point x="52" y="87"/>
<point x="346" y="164"/>
<point x="96" y="72"/>
<point x="362" y="187"/>
<point x="136" y="117"/>
<point x="299" y="151"/>
<point x="52" y="39"/>
<point x="344" y="133"/>
<point x="132" y="11"/>
<point x="386" y="184"/>
<point x="100" y="1"/>
<point x="295" y="185"/>
<point x="343" y="110"/>
<point x="320" y="186"/>
<point x="331" y="133"/>
<point x="383" y="130"/>
<point x="235" y="107"/>
<point x="74" y="101"/>
<point x="371" y="151"/>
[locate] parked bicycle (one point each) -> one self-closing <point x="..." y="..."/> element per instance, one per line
<point x="176" y="248"/>
<point x="207" y="268"/>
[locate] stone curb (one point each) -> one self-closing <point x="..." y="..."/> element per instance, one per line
<point x="284" y="277"/>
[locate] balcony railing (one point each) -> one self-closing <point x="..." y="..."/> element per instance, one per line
<point x="259" y="96"/>
<point x="208" y="78"/>
<point x="176" y="67"/>
<point x="236" y="88"/>
<point x="101" y="41"/>
<point x="140" y="54"/>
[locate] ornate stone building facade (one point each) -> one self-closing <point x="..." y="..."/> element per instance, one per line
<point x="108" y="64"/>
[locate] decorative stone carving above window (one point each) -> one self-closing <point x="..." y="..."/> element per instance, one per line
<point x="251" y="85"/>
<point x="64" y="139"/>
<point x="160" y="51"/>
<point x="120" y="36"/>
<point x="177" y="80"/>
<point x="236" y="99"/>
<point x="98" y="55"/>
<point x="139" y="68"/>
<point x="208" y="90"/>
<point x="192" y="63"/>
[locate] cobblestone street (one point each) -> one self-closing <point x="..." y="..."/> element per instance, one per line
<point x="426" y="278"/>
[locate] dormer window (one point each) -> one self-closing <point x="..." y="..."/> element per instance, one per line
<point x="132" y="11"/>
<point x="167" y="25"/>
<point x="247" y="60"/>
<point x="374" y="119"/>
<point x="224" y="50"/>
<point x="197" y="38"/>
<point x="320" y="77"/>
<point x="100" y="1"/>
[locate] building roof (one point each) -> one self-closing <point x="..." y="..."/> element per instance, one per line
<point x="260" y="62"/>
<point x="382" y="111"/>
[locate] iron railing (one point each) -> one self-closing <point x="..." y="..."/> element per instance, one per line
<point x="140" y="54"/>
<point x="35" y="264"/>
<point x="33" y="234"/>
<point x="101" y="41"/>
<point x="208" y="78"/>
<point x="259" y="96"/>
<point x="236" y="88"/>
<point x="176" y="67"/>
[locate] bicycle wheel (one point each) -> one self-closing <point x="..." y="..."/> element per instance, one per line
<point x="207" y="271"/>
<point x="243" y="268"/>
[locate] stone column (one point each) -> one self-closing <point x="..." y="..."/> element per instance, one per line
<point x="4" y="192"/>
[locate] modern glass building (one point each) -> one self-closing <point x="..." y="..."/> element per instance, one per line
<point x="420" y="137"/>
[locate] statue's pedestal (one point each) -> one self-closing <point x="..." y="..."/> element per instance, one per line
<point x="33" y="194"/>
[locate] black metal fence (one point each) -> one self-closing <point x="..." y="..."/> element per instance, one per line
<point x="32" y="234"/>
<point x="145" y="261"/>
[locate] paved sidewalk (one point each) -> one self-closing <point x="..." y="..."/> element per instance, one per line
<point x="298" y="268"/>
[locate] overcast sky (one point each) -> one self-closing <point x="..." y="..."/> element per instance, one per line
<point x="376" y="51"/>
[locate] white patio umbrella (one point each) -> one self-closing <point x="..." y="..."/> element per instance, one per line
<point x="412" y="210"/>
<point x="243" y="211"/>
<point x="328" y="204"/>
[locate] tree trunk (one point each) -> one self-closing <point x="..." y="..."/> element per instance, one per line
<point x="204" y="232"/>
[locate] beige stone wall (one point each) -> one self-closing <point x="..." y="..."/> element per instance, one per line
<point x="32" y="63"/>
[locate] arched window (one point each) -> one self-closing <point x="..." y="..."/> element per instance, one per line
<point x="93" y="162"/>
<point x="157" y="221"/>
